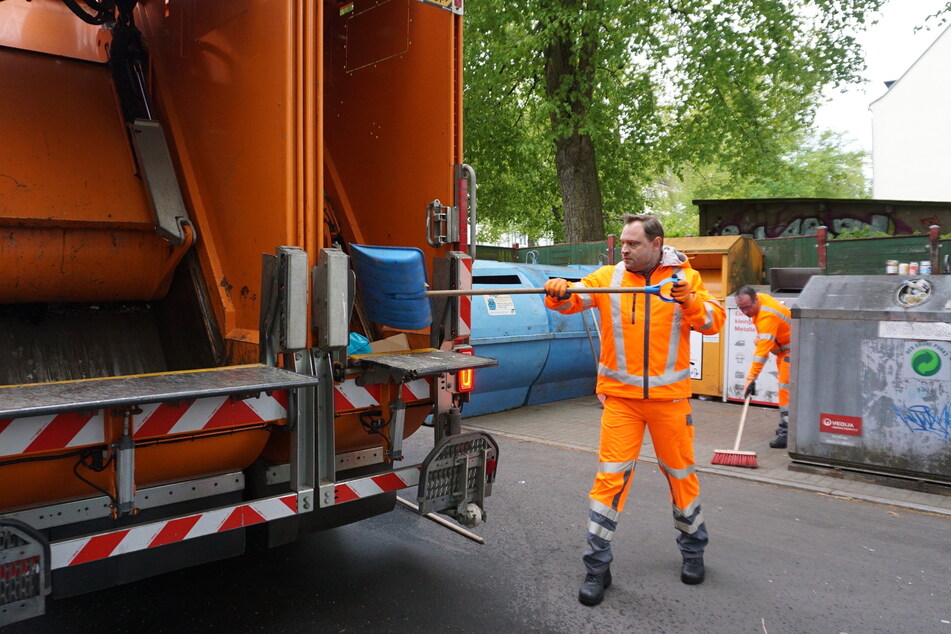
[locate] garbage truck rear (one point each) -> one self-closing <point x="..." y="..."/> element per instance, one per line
<point x="182" y="186"/>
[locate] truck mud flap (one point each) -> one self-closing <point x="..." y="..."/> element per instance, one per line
<point x="457" y="474"/>
<point x="24" y="572"/>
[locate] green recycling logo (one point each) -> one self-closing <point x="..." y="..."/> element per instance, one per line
<point x="926" y="362"/>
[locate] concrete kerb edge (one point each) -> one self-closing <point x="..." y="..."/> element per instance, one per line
<point x="752" y="477"/>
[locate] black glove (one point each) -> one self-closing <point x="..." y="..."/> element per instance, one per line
<point x="750" y="389"/>
<point x="682" y="294"/>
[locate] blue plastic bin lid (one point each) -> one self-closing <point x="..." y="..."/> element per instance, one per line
<point x="392" y="281"/>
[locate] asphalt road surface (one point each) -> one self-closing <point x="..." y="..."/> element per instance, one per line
<point x="780" y="561"/>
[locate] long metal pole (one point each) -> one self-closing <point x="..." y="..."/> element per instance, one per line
<point x="439" y="520"/>
<point x="532" y="291"/>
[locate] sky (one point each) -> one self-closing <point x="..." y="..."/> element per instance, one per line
<point x="891" y="47"/>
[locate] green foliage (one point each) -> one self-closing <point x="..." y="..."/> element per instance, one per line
<point x="939" y="19"/>
<point x="860" y="232"/>
<point x="658" y="86"/>
<point x="814" y="167"/>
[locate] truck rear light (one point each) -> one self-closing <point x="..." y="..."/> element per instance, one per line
<point x="466" y="378"/>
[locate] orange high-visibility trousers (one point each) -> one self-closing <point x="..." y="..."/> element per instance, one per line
<point x="782" y="364"/>
<point x="622" y="433"/>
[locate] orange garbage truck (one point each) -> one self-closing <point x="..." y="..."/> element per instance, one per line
<point x="191" y="363"/>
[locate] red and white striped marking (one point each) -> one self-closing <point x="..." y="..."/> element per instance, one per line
<point x="73" y="552"/>
<point x="34" y="434"/>
<point x="349" y="396"/>
<point x="464" y="327"/>
<point x="53" y="432"/>
<point x="375" y="485"/>
<point x="162" y="419"/>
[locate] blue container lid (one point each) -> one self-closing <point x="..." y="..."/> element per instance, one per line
<point x="392" y="281"/>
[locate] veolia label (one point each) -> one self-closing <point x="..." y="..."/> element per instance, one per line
<point x="840" y="424"/>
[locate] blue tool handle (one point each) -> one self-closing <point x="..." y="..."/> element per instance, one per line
<point x="655" y="289"/>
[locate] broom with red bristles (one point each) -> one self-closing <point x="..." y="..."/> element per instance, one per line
<point x="733" y="457"/>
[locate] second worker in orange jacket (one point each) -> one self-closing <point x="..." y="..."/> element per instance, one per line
<point x="644" y="375"/>
<point x="772" y="320"/>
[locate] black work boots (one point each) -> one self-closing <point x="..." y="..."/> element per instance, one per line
<point x="692" y="571"/>
<point x="778" y="443"/>
<point x="592" y="590"/>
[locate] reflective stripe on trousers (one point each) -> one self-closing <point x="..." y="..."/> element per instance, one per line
<point x="782" y="364"/>
<point x="622" y="433"/>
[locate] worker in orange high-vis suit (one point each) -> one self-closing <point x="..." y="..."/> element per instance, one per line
<point x="772" y="320"/>
<point x="644" y="377"/>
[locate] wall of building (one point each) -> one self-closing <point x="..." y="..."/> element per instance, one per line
<point x="911" y="130"/>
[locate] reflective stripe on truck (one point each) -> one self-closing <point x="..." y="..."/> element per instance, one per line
<point x="31" y="434"/>
<point x="350" y="396"/>
<point x="355" y="489"/>
<point x="73" y="552"/>
<point x="82" y="550"/>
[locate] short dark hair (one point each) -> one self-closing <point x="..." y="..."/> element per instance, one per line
<point x="747" y="290"/>
<point x="652" y="227"/>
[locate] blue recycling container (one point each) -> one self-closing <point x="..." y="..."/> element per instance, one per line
<point x="543" y="355"/>
<point x="571" y="367"/>
<point x="512" y="329"/>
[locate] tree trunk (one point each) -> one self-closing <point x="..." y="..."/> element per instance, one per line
<point x="569" y="88"/>
<point x="580" y="188"/>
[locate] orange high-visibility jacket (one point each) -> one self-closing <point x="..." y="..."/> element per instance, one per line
<point x="645" y="342"/>
<point x="772" y="333"/>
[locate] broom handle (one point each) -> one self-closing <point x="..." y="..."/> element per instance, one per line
<point x="739" y="432"/>
<point x="534" y="291"/>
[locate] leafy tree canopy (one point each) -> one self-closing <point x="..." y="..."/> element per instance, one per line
<point x="815" y="166"/>
<point x="655" y="85"/>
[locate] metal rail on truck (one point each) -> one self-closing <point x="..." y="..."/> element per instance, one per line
<point x="85" y="395"/>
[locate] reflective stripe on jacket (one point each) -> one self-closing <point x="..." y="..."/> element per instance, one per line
<point x="645" y="342"/>
<point x="772" y="332"/>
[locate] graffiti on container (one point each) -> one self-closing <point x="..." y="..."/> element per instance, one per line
<point x="784" y="225"/>
<point x="926" y="418"/>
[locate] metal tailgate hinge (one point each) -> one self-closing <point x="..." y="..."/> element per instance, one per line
<point x="442" y="224"/>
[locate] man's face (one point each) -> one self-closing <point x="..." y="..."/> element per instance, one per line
<point x="639" y="254"/>
<point x="747" y="306"/>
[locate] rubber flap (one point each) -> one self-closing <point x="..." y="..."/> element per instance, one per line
<point x="392" y="281"/>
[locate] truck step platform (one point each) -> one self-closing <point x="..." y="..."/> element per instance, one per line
<point x="408" y="366"/>
<point x="40" y="399"/>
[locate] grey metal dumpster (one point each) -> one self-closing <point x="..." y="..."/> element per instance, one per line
<point x="871" y="375"/>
